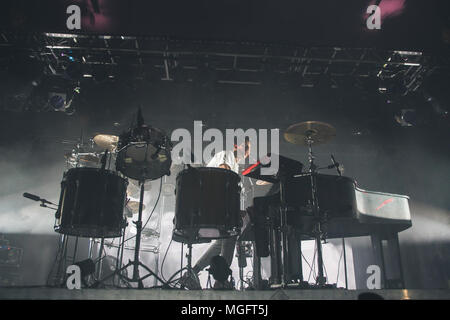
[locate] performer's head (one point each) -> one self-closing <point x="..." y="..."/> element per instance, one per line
<point x="245" y="147"/>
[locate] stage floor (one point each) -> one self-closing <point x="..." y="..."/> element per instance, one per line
<point x="46" y="293"/>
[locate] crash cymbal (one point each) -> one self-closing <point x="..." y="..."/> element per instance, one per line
<point x="106" y="141"/>
<point x="318" y="132"/>
<point x="263" y="183"/>
<point x="134" y="206"/>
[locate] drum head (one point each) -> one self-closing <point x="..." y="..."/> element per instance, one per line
<point x="143" y="161"/>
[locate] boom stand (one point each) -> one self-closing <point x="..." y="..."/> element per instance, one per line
<point x="136" y="263"/>
<point x="284" y="233"/>
<point x="321" y="280"/>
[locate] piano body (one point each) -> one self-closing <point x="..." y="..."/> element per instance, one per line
<point x="348" y="211"/>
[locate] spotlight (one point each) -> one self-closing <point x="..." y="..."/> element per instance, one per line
<point x="60" y="101"/>
<point x="55" y="93"/>
<point x="57" y="101"/>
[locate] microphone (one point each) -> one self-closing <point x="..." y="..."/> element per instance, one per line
<point x="36" y="198"/>
<point x="31" y="196"/>
<point x="336" y="165"/>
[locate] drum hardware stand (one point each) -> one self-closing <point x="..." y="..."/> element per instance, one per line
<point x="75" y="250"/>
<point x="100" y="260"/>
<point x="345" y="263"/>
<point x="58" y="279"/>
<point x="136" y="263"/>
<point x="336" y="165"/>
<point x="188" y="267"/>
<point x="284" y="233"/>
<point x="242" y="260"/>
<point x="189" y="259"/>
<point x="158" y="228"/>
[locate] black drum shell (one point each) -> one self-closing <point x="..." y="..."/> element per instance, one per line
<point x="92" y="203"/>
<point x="207" y="198"/>
<point x="335" y="194"/>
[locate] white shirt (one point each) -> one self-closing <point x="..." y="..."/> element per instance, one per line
<point x="224" y="157"/>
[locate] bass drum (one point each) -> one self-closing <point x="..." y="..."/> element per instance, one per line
<point x="91" y="204"/>
<point x="207" y="205"/>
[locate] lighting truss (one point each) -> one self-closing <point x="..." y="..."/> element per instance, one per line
<point x="239" y="63"/>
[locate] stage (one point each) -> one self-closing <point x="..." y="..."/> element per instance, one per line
<point x="45" y="293"/>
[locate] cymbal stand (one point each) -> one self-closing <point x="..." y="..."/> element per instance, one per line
<point x="284" y="233"/>
<point x="321" y="280"/>
<point x="189" y="259"/>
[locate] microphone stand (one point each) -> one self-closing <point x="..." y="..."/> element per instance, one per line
<point x="336" y="165"/>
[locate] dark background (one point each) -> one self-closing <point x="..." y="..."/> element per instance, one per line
<point x="417" y="24"/>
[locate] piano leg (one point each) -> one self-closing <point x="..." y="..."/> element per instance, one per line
<point x="295" y="257"/>
<point x="275" y="256"/>
<point x="393" y="247"/>
<point x="393" y="254"/>
<point x="345" y="263"/>
<point x="256" y="269"/>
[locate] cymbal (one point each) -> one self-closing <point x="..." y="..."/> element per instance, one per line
<point x="106" y="141"/>
<point x="263" y="183"/>
<point x="318" y="132"/>
<point x="134" y="206"/>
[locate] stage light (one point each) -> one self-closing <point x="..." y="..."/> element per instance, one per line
<point x="57" y="101"/>
<point x="54" y="93"/>
<point x="62" y="102"/>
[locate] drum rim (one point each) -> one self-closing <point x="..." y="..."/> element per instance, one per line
<point x="84" y="232"/>
<point x="94" y="169"/>
<point x="131" y="144"/>
<point x="184" y="171"/>
<point x="183" y="235"/>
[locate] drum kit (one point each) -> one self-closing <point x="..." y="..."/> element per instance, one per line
<point x="94" y="199"/>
